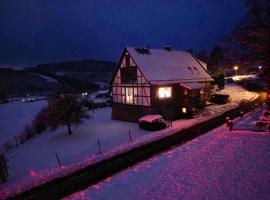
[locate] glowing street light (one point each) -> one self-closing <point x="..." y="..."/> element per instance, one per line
<point x="260" y="68"/>
<point x="235" y="68"/>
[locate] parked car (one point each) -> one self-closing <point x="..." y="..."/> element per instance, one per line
<point x="220" y="98"/>
<point x="152" y="122"/>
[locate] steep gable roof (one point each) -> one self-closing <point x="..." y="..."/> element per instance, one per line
<point x="162" y="65"/>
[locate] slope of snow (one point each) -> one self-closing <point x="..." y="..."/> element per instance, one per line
<point x="15" y="115"/>
<point x="218" y="165"/>
<point x="35" y="161"/>
<point x="47" y="78"/>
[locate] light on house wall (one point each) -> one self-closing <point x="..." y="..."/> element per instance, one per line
<point x="164" y="92"/>
<point x="184" y="110"/>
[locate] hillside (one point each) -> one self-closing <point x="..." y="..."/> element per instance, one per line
<point x="72" y="76"/>
<point x="87" y="70"/>
<point x="21" y="82"/>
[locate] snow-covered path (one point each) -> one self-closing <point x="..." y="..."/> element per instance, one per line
<point x="218" y="165"/>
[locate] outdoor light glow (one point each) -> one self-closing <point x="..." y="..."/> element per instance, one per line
<point x="235" y="68"/>
<point x="164" y="92"/>
<point x="184" y="110"/>
<point x="260" y="68"/>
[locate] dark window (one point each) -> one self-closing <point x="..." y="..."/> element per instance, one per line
<point x="195" y="68"/>
<point x="143" y="51"/>
<point x="128" y="75"/>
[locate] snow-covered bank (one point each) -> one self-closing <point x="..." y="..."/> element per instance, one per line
<point x="34" y="162"/>
<point x="218" y="165"/>
<point x="15" y="115"/>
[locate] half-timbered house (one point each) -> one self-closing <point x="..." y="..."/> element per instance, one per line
<point x="158" y="81"/>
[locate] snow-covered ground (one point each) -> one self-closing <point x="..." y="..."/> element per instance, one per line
<point x="248" y="122"/>
<point x="237" y="93"/>
<point x="218" y="165"/>
<point x="241" y="77"/>
<point x="47" y="78"/>
<point x="15" y="115"/>
<point x="35" y="158"/>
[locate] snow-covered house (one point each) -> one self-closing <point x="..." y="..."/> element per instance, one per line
<point x="158" y="81"/>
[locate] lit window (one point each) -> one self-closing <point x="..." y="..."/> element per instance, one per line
<point x="184" y="110"/>
<point x="201" y="91"/>
<point x="164" y="92"/>
<point x="129" y="95"/>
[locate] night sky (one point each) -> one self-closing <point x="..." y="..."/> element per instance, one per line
<point x="40" y="31"/>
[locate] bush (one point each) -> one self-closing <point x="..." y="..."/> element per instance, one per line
<point x="39" y="124"/>
<point x="28" y="133"/>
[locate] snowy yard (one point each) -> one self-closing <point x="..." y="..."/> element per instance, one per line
<point x="15" y="115"/>
<point x="218" y="165"/>
<point x="37" y="157"/>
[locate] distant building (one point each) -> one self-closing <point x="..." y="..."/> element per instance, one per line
<point x="158" y="81"/>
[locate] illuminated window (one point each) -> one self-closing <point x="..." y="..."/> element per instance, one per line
<point x="201" y="91"/>
<point x="184" y="110"/>
<point x="164" y="92"/>
<point x="130" y="95"/>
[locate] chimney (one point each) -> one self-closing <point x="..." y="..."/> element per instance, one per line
<point x="167" y="48"/>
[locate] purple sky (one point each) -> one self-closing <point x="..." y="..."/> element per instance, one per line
<point x="42" y="31"/>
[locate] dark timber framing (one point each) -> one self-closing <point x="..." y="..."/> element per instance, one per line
<point x="136" y="97"/>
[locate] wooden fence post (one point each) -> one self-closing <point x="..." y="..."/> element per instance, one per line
<point x="130" y="138"/>
<point x="99" y="149"/>
<point x="58" y="160"/>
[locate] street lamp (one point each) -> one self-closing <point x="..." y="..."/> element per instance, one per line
<point x="260" y="68"/>
<point x="235" y="68"/>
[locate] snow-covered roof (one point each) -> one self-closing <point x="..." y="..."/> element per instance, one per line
<point x="163" y="65"/>
<point x="192" y="86"/>
<point x="203" y="64"/>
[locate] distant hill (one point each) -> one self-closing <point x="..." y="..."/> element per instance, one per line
<point x="21" y="82"/>
<point x="72" y="76"/>
<point x="78" y="74"/>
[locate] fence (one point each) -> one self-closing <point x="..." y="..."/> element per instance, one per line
<point x="11" y="143"/>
